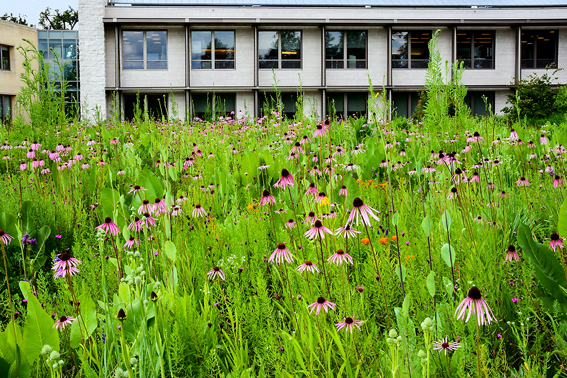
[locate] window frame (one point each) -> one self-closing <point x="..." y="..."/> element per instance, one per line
<point x="145" y="51"/>
<point x="3" y="119"/>
<point x="409" y="59"/>
<point x="534" y="60"/>
<point x="472" y="45"/>
<point x="280" y="60"/>
<point x="345" y="51"/>
<point x="9" y="69"/>
<point x="213" y="47"/>
<point x="345" y="111"/>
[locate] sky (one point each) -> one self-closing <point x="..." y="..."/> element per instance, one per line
<point x="32" y="8"/>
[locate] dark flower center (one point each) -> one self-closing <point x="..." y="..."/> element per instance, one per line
<point x="197" y="206"/>
<point x="145" y="202"/>
<point x="445" y="345"/>
<point x="266" y="193"/>
<point x="522" y="178"/>
<point x="281" y="246"/>
<point x="157" y="200"/>
<point x="340" y="252"/>
<point x="554" y="236"/>
<point x="147" y="215"/>
<point x="453" y="190"/>
<point x="474" y="293"/>
<point x="2" y="233"/>
<point x="309" y="263"/>
<point x="216" y="269"/>
<point x="137" y="187"/>
<point x="349" y="320"/>
<point x="357" y="202"/>
<point x="107" y="220"/>
<point x="136" y="219"/>
<point x="557" y="177"/>
<point x="62" y="319"/>
<point x="321" y="194"/>
<point x="343" y="187"/>
<point x="458" y="171"/>
<point x="511" y="248"/>
<point x="476" y="134"/>
<point x="321" y="300"/>
<point x="132" y="238"/>
<point x="297" y="144"/>
<point x="64" y="256"/>
<point x="285" y="173"/>
<point x="312" y="185"/>
<point x="319" y="127"/>
<point x="318" y="224"/>
<point x="311" y="214"/>
<point x="153" y="296"/>
<point x="290" y="221"/>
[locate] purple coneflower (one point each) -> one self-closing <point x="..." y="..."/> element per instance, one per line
<point x="297" y="148"/>
<point x="348" y="324"/>
<point x="146" y="207"/>
<point x="453" y="193"/>
<point x="556" y="182"/>
<point x="65" y="265"/>
<point x="109" y="225"/>
<point x="311" y="218"/>
<point x="285" y="180"/>
<point x="322" y="199"/>
<point x="130" y="242"/>
<point x="347" y="231"/>
<point x="216" y="272"/>
<point x="62" y="322"/>
<point x="318" y="230"/>
<point x="522" y="182"/>
<point x="5" y="238"/>
<point x="320" y="131"/>
<point x="160" y="206"/>
<point x="444" y="345"/>
<point x="343" y="191"/>
<point x="280" y="254"/>
<point x="312" y="190"/>
<point x="198" y="211"/>
<point x="543" y="139"/>
<point x="362" y="210"/>
<point x="475" y="177"/>
<point x="513" y="135"/>
<point x="321" y="303"/>
<point x="476" y="305"/>
<point x="148" y="220"/>
<point x="290" y="224"/>
<point x="137" y="188"/>
<point x="314" y="171"/>
<point x="308" y="266"/>
<point x="511" y="254"/>
<point x="267" y="198"/>
<point x="556" y="241"/>
<point x="340" y="257"/>
<point x="137" y="225"/>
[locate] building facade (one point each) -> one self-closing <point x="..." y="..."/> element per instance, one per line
<point x="190" y="57"/>
<point x="11" y="65"/>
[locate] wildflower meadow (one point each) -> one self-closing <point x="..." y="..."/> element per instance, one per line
<point x="278" y="247"/>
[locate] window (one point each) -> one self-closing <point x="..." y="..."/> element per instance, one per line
<point x="208" y="106"/>
<point x="268" y="102"/>
<point x="405" y="104"/>
<point x="539" y="48"/>
<point x="475" y="49"/>
<point x="5" y="109"/>
<point x="475" y="101"/>
<point x="353" y="103"/>
<point x="154" y="104"/>
<point x="410" y="49"/>
<point x="5" y="58"/>
<point x="345" y="46"/>
<point x="279" y="49"/>
<point x="212" y="49"/>
<point x="144" y="50"/>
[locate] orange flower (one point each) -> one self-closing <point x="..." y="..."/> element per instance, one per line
<point x="383" y="241"/>
<point x="365" y="241"/>
<point x="250" y="207"/>
<point x="370" y="181"/>
<point x="394" y="238"/>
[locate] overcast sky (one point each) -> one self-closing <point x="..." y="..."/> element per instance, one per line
<point x="32" y="8"/>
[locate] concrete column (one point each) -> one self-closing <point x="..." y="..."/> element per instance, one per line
<point x="92" y="60"/>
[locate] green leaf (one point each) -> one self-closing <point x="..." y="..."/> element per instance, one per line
<point x="448" y="254"/>
<point x="426" y="225"/>
<point x="27" y="217"/>
<point x="448" y="286"/>
<point x="431" y="283"/>
<point x="397" y="269"/>
<point x="38" y="330"/>
<point x="9" y="223"/>
<point x="446" y="221"/>
<point x="405" y="305"/>
<point x="546" y="266"/>
<point x="562" y="223"/>
<point x="395" y="219"/>
<point x="170" y="251"/>
<point x="108" y="201"/>
<point x="152" y="183"/>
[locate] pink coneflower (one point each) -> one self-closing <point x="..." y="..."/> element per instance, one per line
<point x="503" y="194"/>
<point x="137" y="225"/>
<point x="490" y="186"/>
<point x="476" y="305"/>
<point x="308" y="266"/>
<point x="322" y="199"/>
<point x="215" y="273"/>
<point x="320" y="131"/>
<point x="363" y="211"/>
<point x="35" y="146"/>
<point x="511" y="254"/>
<point x="130" y="242"/>
<point x="62" y="322"/>
<point x="65" y="265"/>
<point x="357" y="151"/>
<point x="109" y="225"/>
<point x="176" y="210"/>
<point x="556" y="241"/>
<point x="181" y="199"/>
<point x="146" y="207"/>
<point x="513" y="135"/>
<point x="522" y="182"/>
<point x="30" y="154"/>
<point x="148" y="220"/>
<point x="556" y="182"/>
<point x="267" y="199"/>
<point x="23" y="167"/>
<point x="160" y="206"/>
<point x="312" y="190"/>
<point x="543" y="139"/>
<point x="297" y="148"/>
<point x="311" y="218"/>
<point x="444" y="345"/>
<point x="314" y="171"/>
<point x="343" y="191"/>
<point x="453" y="193"/>
<point x="348" y="324"/>
<point x="340" y="257"/>
<point x="5" y="238"/>
<point x="290" y="224"/>
<point x="137" y="188"/>
<point x="280" y="254"/>
<point x="285" y="180"/>
<point x="318" y="230"/>
<point x="321" y="303"/>
<point x="475" y="177"/>
<point x="198" y="211"/>
<point x="475" y="137"/>
<point x="346" y="231"/>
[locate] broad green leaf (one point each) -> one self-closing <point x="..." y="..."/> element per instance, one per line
<point x="27" y="217"/>
<point x="396" y="218"/>
<point x="397" y="270"/>
<point x="431" y="283"/>
<point x="9" y="223"/>
<point x="426" y="225"/>
<point x="448" y="286"/>
<point x="448" y="254"/>
<point x="38" y="330"/>
<point x="170" y="251"/>
<point x="108" y="201"/>
<point x="562" y="223"/>
<point x="446" y="221"/>
<point x="405" y="305"/>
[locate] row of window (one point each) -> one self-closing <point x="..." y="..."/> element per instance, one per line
<point x="343" y="49"/>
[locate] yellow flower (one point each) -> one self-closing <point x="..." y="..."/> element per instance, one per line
<point x="324" y="202"/>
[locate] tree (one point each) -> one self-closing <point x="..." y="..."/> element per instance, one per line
<point x="19" y="19"/>
<point x="59" y="21"/>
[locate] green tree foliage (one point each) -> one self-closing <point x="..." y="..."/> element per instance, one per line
<point x="19" y="19"/>
<point x="59" y="20"/>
